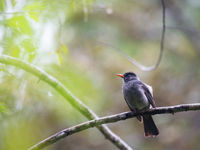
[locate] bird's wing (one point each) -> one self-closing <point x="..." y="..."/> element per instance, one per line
<point x="131" y="108"/>
<point x="149" y="94"/>
<point x="150" y="88"/>
<point x="138" y="117"/>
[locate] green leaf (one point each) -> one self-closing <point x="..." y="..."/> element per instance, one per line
<point x="34" y="16"/>
<point x="65" y="49"/>
<point x="34" y="10"/>
<point x="3" y="108"/>
<point x="59" y="56"/>
<point x="36" y="6"/>
<point x="2" y="5"/>
<point x="13" y="2"/>
<point x="15" y="51"/>
<point x="31" y="56"/>
<point x="28" y="45"/>
<point x="62" y="48"/>
<point x="20" y="23"/>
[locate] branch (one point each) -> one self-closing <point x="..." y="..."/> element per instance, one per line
<point x="136" y="63"/>
<point x="60" y="88"/>
<point x="114" y="118"/>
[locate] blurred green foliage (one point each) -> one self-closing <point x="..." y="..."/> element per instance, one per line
<point x="61" y="38"/>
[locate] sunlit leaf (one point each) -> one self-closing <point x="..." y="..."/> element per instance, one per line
<point x="29" y="48"/>
<point x="15" y="51"/>
<point x="13" y="2"/>
<point x="31" y="56"/>
<point x="2" y="5"/>
<point x="62" y="48"/>
<point x="35" y="6"/>
<point x="59" y="56"/>
<point x="34" y="16"/>
<point x="20" y="23"/>
<point x="28" y="45"/>
<point x="34" y="10"/>
<point x="65" y="49"/>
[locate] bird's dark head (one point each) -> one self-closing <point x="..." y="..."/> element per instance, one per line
<point x="128" y="76"/>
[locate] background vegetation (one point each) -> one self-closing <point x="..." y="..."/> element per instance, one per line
<point x="62" y="37"/>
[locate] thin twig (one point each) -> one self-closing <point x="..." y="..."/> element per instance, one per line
<point x="61" y="89"/>
<point x="136" y="63"/>
<point x="110" y="119"/>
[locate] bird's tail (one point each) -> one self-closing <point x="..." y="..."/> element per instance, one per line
<point x="150" y="129"/>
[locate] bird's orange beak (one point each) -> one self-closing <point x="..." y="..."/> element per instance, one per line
<point x="120" y="75"/>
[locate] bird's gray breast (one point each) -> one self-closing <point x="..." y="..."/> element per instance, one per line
<point x="135" y="96"/>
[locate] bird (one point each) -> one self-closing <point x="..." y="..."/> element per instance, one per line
<point x="139" y="98"/>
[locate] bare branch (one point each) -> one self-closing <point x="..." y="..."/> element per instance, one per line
<point x="113" y="118"/>
<point x="61" y="89"/>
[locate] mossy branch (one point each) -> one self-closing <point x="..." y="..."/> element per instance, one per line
<point x="60" y="88"/>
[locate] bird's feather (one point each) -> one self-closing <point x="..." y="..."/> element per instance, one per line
<point x="133" y="110"/>
<point x="149" y="96"/>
